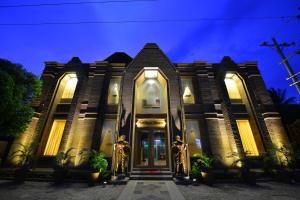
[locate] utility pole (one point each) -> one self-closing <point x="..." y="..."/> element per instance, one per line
<point x="284" y="61"/>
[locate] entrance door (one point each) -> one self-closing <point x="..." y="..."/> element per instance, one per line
<point x="151" y="149"/>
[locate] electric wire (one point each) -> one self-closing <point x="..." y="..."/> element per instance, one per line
<point x="148" y="21"/>
<point x="72" y="3"/>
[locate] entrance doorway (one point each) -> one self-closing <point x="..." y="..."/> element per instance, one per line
<point x="151" y="148"/>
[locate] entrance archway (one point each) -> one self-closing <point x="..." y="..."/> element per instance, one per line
<point x="151" y="120"/>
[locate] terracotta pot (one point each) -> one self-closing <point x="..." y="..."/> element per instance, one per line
<point x="93" y="178"/>
<point x="208" y="178"/>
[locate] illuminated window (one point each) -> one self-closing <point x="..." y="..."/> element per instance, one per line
<point x="54" y="138"/>
<point x="107" y="137"/>
<point x="69" y="88"/>
<point x="113" y="92"/>
<point x="188" y="93"/>
<point x="193" y="137"/>
<point x="247" y="138"/>
<point x="232" y="87"/>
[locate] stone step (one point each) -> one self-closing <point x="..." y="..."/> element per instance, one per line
<point x="151" y="172"/>
<point x="151" y="177"/>
<point x="150" y="169"/>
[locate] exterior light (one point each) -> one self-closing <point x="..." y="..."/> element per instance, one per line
<point x="150" y="74"/>
<point x="187" y="92"/>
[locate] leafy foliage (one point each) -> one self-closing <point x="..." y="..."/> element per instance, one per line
<point x="289" y="156"/>
<point x="25" y="155"/>
<point x="17" y="89"/>
<point x="242" y="163"/>
<point x="203" y="164"/>
<point x="63" y="159"/>
<point x="95" y="159"/>
<point x="279" y="97"/>
<point x="98" y="161"/>
<point x="196" y="170"/>
<point x="289" y="110"/>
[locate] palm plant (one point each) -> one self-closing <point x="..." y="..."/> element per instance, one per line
<point x="279" y="97"/>
<point x="244" y="164"/>
<point x="25" y="155"/>
<point x="25" y="158"/>
<point x="63" y="159"/>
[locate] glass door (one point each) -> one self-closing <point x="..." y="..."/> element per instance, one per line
<point x="159" y="149"/>
<point x="151" y="149"/>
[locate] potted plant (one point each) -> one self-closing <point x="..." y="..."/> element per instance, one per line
<point x="244" y="165"/>
<point x="196" y="172"/>
<point x="62" y="161"/>
<point x="97" y="164"/>
<point x="206" y="165"/>
<point x="25" y="158"/>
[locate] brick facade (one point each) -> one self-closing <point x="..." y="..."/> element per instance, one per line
<point x="213" y="109"/>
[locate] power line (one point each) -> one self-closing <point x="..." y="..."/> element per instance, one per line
<point x="292" y="74"/>
<point x="71" y="3"/>
<point x="147" y="21"/>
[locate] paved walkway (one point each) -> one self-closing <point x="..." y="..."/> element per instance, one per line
<point x="144" y="190"/>
<point x="151" y="190"/>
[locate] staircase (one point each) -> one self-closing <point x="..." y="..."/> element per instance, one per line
<point x="151" y="174"/>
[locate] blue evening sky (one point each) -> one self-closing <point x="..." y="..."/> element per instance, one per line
<point x="182" y="42"/>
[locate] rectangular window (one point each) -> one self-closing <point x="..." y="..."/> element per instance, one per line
<point x="113" y="91"/>
<point x="193" y="137"/>
<point x="247" y="137"/>
<point x="107" y="137"/>
<point x="54" y="138"/>
<point x="188" y="91"/>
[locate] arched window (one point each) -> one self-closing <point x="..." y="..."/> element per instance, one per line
<point x="69" y="83"/>
<point x="237" y="94"/>
<point x="55" y="126"/>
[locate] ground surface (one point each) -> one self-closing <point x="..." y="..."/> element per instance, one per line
<point x="152" y="190"/>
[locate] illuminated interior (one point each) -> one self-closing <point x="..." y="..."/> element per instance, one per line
<point x="193" y="137"/>
<point x="247" y="138"/>
<point x="187" y="88"/>
<point x="64" y="94"/>
<point x="54" y="138"/>
<point x="70" y="87"/>
<point x="107" y="137"/>
<point x="113" y="91"/>
<point x="151" y="93"/>
<point x="232" y="87"/>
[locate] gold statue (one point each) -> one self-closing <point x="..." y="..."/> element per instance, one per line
<point x="179" y="149"/>
<point x="121" y="153"/>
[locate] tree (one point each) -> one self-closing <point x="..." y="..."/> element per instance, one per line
<point x="285" y="106"/>
<point x="279" y="97"/>
<point x="17" y="90"/>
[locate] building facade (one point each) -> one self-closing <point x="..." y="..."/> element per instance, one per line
<point x="218" y="109"/>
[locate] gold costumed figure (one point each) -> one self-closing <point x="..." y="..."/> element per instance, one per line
<point x="179" y="150"/>
<point x="121" y="153"/>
